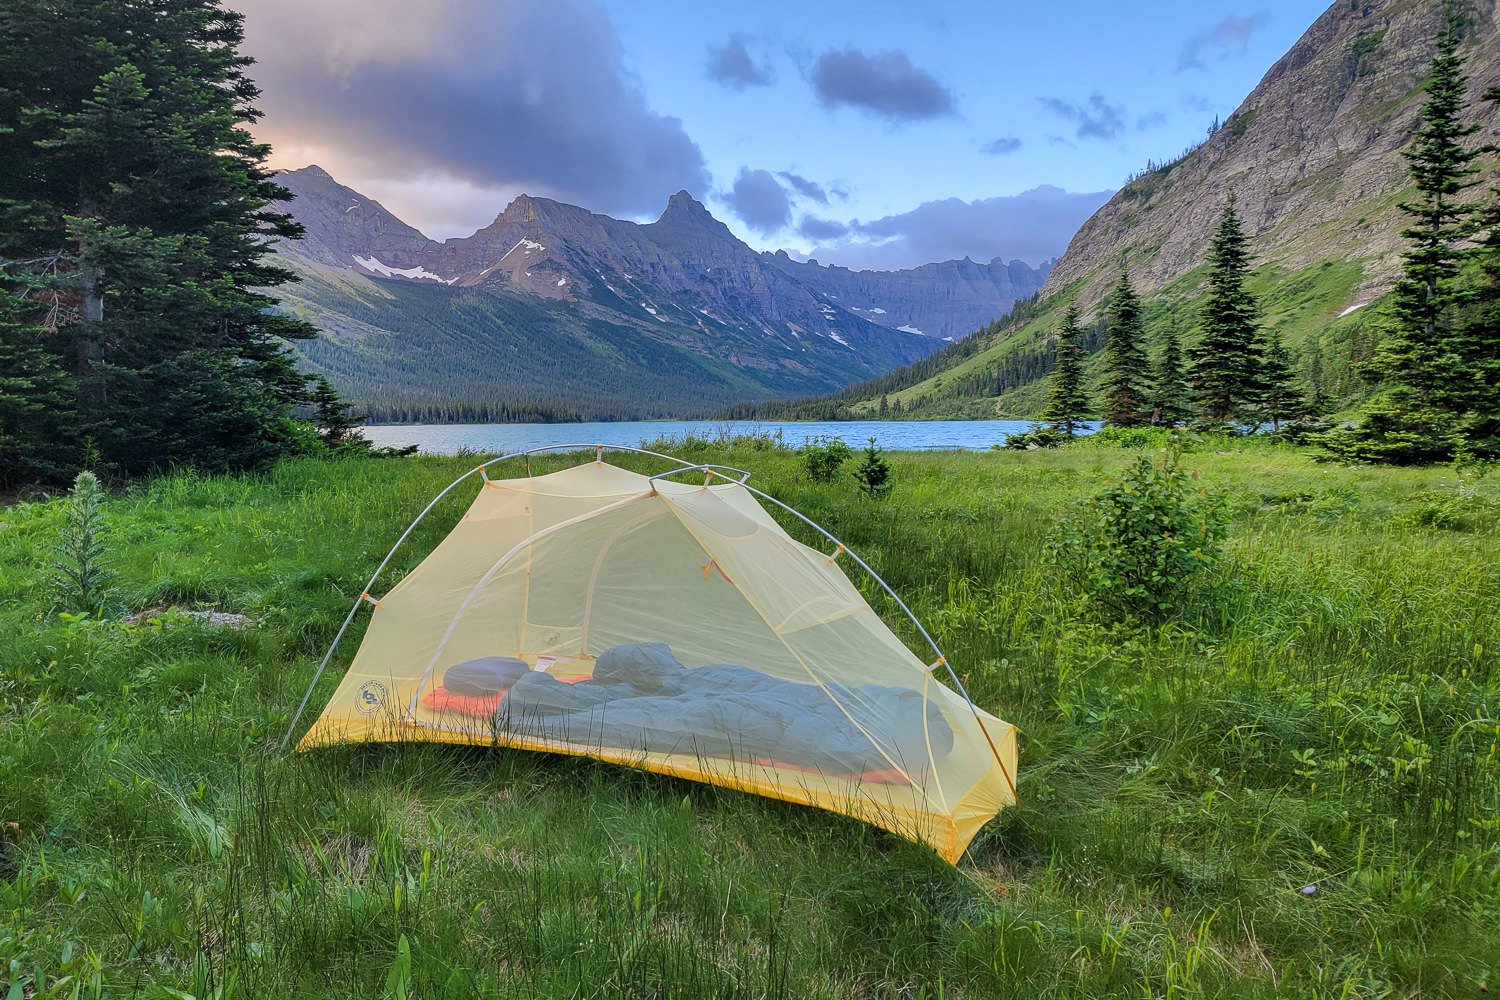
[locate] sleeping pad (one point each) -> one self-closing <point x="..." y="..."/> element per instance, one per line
<point x="642" y="699"/>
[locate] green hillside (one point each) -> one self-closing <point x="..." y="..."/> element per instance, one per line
<point x="421" y="350"/>
<point x="1000" y="371"/>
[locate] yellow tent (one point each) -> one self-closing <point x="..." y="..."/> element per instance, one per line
<point x="674" y="627"/>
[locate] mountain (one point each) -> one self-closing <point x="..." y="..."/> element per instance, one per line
<point x="1313" y="156"/>
<point x="552" y="310"/>
<point x="949" y="300"/>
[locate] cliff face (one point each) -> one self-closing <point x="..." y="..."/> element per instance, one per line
<point x="1312" y="156"/>
<point x="949" y="299"/>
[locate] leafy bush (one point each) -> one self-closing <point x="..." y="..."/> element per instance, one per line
<point x="80" y="578"/>
<point x="1143" y="436"/>
<point x="1134" y="549"/>
<point x="822" y="457"/>
<point x="874" y="474"/>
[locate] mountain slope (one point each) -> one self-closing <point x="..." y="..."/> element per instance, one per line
<point x="555" y="310"/>
<point x="949" y="300"/>
<point x="1313" y="156"/>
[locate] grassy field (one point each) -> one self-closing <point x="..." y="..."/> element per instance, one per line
<point x="1325" y="715"/>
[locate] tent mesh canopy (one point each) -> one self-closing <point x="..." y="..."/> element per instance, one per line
<point x="678" y="628"/>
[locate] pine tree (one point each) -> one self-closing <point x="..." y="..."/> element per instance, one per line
<point x="1067" y="402"/>
<point x="1126" y="369"/>
<point x="1225" y="365"/>
<point x="1318" y="402"/>
<point x="131" y="180"/>
<point x="1478" y="342"/>
<point x="1278" y="399"/>
<point x="334" y="417"/>
<point x="1421" y="354"/>
<point x="1170" y="390"/>
<point x="873" y="472"/>
<point x="1425" y="360"/>
<point x="35" y="399"/>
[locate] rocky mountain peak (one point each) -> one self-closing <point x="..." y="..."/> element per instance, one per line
<point x="682" y="208"/>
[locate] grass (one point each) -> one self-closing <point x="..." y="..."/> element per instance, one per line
<point x="1324" y="713"/>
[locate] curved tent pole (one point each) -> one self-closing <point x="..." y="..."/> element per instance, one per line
<point x="599" y="450"/>
<point x="914" y="620"/>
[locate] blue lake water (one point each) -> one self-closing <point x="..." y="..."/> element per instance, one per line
<point x="501" y="439"/>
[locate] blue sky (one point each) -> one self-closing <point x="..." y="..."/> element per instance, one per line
<point x="904" y="131"/>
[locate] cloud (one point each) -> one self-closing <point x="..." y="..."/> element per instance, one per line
<point x="886" y="85"/>
<point x="760" y="201"/>
<point x="806" y="188"/>
<point x="814" y="228"/>
<point x="1003" y="146"/>
<point x="1034" y="226"/>
<point x="1151" y="119"/>
<point x="1197" y="102"/>
<point x="1096" y="118"/>
<point x="471" y="99"/>
<point x="730" y="64"/>
<point x="1227" y="38"/>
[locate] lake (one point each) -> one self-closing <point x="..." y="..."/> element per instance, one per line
<point x="502" y="439"/>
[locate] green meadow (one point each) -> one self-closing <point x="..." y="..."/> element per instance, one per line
<point x="1289" y="787"/>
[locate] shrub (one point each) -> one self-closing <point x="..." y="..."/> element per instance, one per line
<point x="1034" y="437"/>
<point x="874" y="474"/>
<point x="1134" y="550"/>
<point x="1143" y="436"/>
<point x="80" y="578"/>
<point x="822" y="457"/>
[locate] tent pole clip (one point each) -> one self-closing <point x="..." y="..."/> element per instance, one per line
<point x="836" y="553"/>
<point x="939" y="662"/>
<point x="369" y="600"/>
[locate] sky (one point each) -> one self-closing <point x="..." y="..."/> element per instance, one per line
<point x="867" y="133"/>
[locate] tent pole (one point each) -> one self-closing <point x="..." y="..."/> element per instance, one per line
<point x="318" y="674"/>
<point x="914" y="620"/>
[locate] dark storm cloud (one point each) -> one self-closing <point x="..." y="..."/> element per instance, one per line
<point x="814" y="228"/>
<point x="1227" y="38"/>
<point x="460" y="98"/>
<point x="730" y="64"/>
<point x="759" y="201"/>
<point x="805" y="187"/>
<point x="1096" y="118"/>
<point x="1034" y="226"/>
<point x="886" y="85"/>
<point x="1003" y="146"/>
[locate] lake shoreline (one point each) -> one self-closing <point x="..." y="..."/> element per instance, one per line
<point x="892" y="435"/>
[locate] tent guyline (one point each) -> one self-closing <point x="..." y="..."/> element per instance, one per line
<point x="672" y="627"/>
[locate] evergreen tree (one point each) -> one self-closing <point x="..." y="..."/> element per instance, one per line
<point x="1170" y="390"/>
<point x="1067" y="402"/>
<point x="35" y="399"/>
<point x="1421" y="354"/>
<point x="1478" y="343"/>
<point x="134" y="188"/>
<point x="1318" y="402"/>
<point x="1278" y="399"/>
<point x="873" y="474"/>
<point x="334" y="417"/>
<point x="1431" y="370"/>
<point x="1226" y="364"/>
<point x="1126" y="369"/>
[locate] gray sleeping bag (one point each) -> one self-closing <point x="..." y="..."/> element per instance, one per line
<point x="642" y="699"/>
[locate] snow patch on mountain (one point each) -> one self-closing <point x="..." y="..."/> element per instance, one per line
<point x="416" y="273"/>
